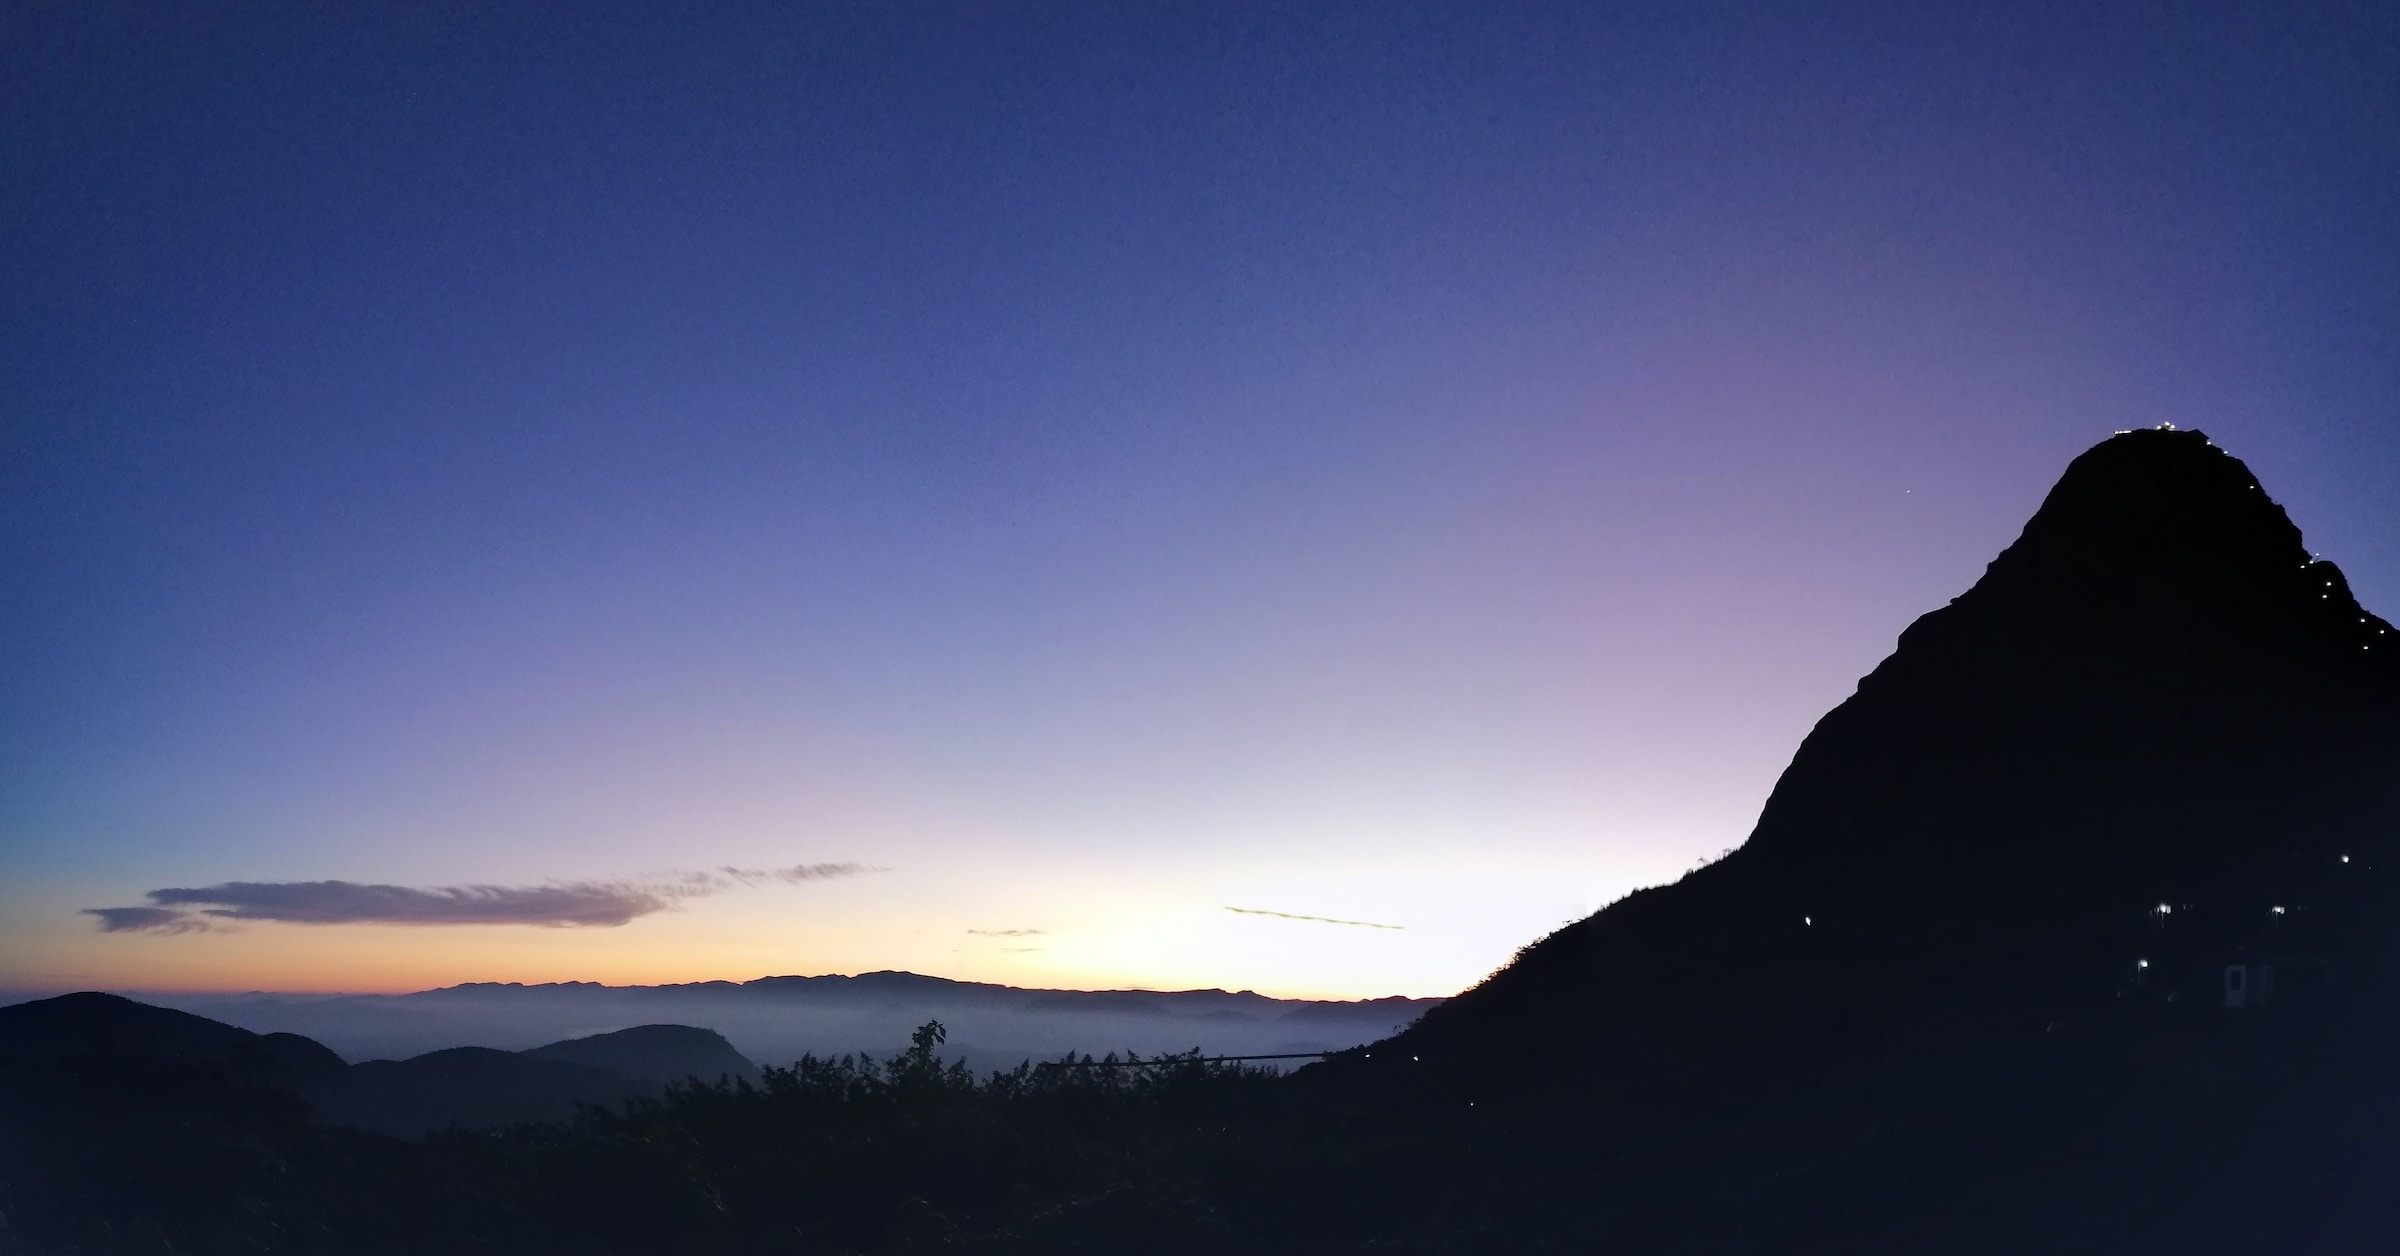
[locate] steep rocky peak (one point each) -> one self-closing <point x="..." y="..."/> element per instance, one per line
<point x="2164" y="517"/>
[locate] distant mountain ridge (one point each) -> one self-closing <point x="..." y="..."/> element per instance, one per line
<point x="888" y="981"/>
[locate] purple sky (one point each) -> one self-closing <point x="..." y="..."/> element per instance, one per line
<point x="1087" y="466"/>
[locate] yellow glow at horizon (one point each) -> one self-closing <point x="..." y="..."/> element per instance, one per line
<point x="1457" y="925"/>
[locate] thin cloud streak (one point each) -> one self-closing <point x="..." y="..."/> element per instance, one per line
<point x="573" y="904"/>
<point x="1322" y="920"/>
<point x="729" y="876"/>
<point x="1006" y="933"/>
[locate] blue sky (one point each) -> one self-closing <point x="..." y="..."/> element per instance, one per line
<point x="1097" y="467"/>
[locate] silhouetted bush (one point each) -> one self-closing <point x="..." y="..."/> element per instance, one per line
<point x="847" y="1154"/>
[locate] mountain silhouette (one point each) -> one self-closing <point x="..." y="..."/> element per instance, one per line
<point x="95" y="1031"/>
<point x="2155" y="697"/>
<point x="90" y="1036"/>
<point x="655" y="1053"/>
<point x="479" y="1087"/>
<point x="466" y="1088"/>
<point x="1979" y="957"/>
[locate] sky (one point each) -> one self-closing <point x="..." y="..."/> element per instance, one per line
<point x="1294" y="497"/>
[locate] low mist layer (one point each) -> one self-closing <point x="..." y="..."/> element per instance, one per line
<point x="775" y="1020"/>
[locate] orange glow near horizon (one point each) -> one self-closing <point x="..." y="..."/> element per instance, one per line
<point x="1455" y="926"/>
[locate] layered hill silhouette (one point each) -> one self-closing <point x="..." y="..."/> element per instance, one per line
<point x="2103" y="849"/>
<point x="778" y="1019"/>
<point x="472" y="1087"/>
<point x="92" y="1035"/>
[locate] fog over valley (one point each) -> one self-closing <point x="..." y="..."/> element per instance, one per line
<point x="775" y="1020"/>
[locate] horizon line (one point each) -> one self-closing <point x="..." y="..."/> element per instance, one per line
<point x="26" y="993"/>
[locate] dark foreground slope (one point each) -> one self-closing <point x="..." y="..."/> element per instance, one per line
<point x="125" y="1127"/>
<point x="1964" y="985"/>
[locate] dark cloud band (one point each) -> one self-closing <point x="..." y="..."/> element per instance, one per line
<point x="347" y="902"/>
<point x="147" y="920"/>
<point x="576" y="904"/>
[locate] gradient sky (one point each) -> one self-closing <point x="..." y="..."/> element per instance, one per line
<point x="1091" y="466"/>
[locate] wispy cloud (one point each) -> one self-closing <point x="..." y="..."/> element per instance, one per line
<point x="568" y="904"/>
<point x="729" y="876"/>
<point x="1007" y="933"/>
<point x="1322" y="920"/>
